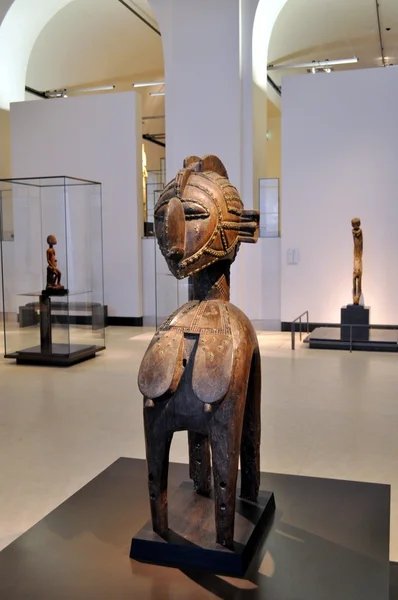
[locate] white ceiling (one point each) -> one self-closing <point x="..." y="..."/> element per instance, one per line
<point x="92" y="42"/>
<point x="308" y="30"/>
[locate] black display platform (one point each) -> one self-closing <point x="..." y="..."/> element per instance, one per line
<point x="355" y="322"/>
<point x="329" y="541"/>
<point x="61" y="355"/>
<point x="191" y="540"/>
<point x="55" y="292"/>
<point x="329" y="338"/>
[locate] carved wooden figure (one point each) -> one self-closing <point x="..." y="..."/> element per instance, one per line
<point x="201" y="372"/>
<point x="53" y="273"/>
<point x="358" y="249"/>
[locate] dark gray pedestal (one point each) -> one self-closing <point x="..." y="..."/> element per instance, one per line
<point x="357" y="316"/>
<point x="329" y="541"/>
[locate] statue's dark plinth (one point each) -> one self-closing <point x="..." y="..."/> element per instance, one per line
<point x="355" y="322"/>
<point x="191" y="540"/>
<point x="55" y="292"/>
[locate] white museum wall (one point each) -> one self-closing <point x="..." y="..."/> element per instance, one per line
<point x="95" y="137"/>
<point x="5" y="166"/>
<point x="255" y="282"/>
<point x="339" y="155"/>
<point x="260" y="300"/>
<point x="162" y="293"/>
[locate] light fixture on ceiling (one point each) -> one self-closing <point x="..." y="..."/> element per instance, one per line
<point x="56" y="94"/>
<point x="319" y="64"/>
<point x="148" y="83"/>
<point x="316" y="69"/>
<point x="64" y="93"/>
<point x="156" y="93"/>
<point x="100" y="88"/>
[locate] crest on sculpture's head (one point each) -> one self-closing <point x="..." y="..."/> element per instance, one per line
<point x="200" y="219"/>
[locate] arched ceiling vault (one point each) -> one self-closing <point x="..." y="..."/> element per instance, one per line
<point x="70" y="43"/>
<point x="308" y="30"/>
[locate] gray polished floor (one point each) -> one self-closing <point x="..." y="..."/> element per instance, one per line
<point x="324" y="413"/>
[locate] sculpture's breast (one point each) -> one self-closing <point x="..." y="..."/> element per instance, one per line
<point x="163" y="364"/>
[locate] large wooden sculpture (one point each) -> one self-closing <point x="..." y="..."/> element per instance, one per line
<point x="358" y="249"/>
<point x="201" y="372"/>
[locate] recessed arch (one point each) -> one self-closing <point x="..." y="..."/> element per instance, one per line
<point x="266" y="15"/>
<point x="19" y="30"/>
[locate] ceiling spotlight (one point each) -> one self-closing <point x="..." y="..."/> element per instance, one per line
<point x="55" y="94"/>
<point x="148" y="83"/>
<point x="315" y="70"/>
<point x="64" y="93"/>
<point x="157" y="93"/>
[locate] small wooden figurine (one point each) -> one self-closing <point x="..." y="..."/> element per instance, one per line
<point x="53" y="273"/>
<point x="201" y="372"/>
<point x="358" y="249"/>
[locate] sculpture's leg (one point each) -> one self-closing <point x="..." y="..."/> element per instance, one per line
<point x="199" y="462"/>
<point x="359" y="286"/>
<point x="225" y="430"/>
<point x="355" y="289"/>
<point x="251" y="433"/>
<point x="158" y="441"/>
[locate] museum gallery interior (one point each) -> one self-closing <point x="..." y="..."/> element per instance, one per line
<point x="199" y="322"/>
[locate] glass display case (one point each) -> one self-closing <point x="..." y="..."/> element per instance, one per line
<point x="269" y="207"/>
<point x="52" y="300"/>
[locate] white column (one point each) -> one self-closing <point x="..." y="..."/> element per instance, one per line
<point x="207" y="50"/>
<point x="201" y="49"/>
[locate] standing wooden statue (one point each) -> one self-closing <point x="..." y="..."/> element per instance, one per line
<point x="358" y="249"/>
<point x="202" y="373"/>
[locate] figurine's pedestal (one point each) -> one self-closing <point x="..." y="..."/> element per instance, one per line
<point x="190" y="541"/>
<point x="329" y="540"/>
<point x="49" y="353"/>
<point x="355" y="323"/>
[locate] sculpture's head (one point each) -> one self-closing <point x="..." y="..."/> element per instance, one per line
<point x="199" y="218"/>
<point x="356" y="223"/>
<point x="51" y="240"/>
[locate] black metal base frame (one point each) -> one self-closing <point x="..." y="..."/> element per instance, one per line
<point x="329" y="338"/>
<point x="61" y="355"/>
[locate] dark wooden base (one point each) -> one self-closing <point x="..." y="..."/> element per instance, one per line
<point x="191" y="540"/>
<point x="62" y="355"/>
<point x="329" y="338"/>
<point x="55" y="292"/>
<point x="329" y="540"/>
